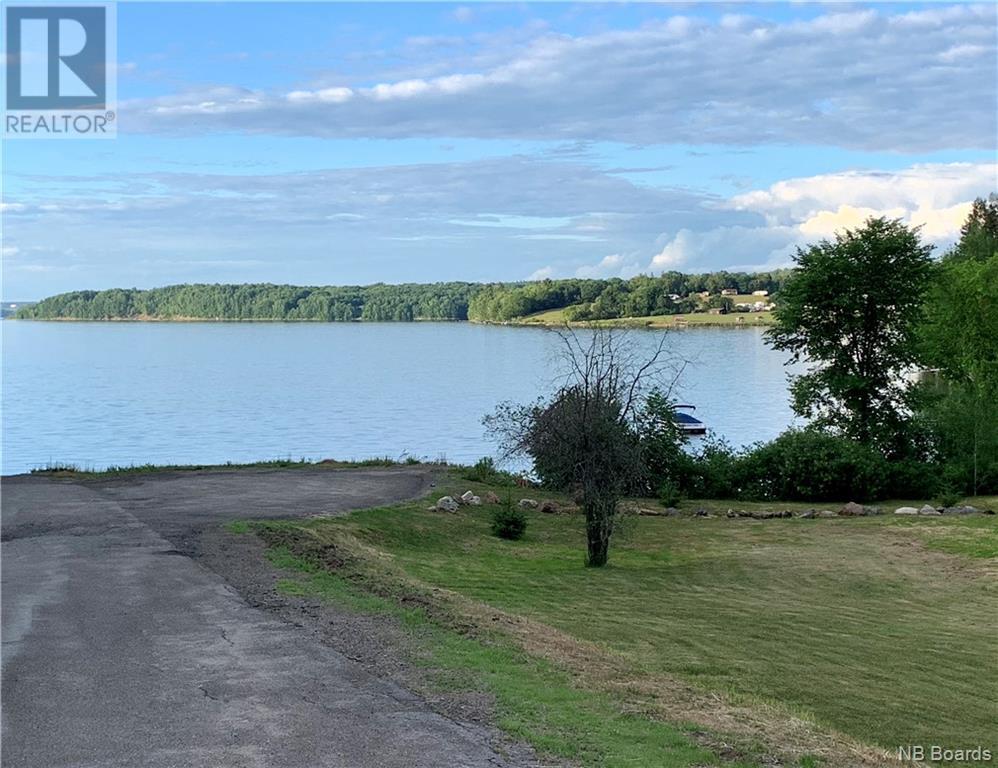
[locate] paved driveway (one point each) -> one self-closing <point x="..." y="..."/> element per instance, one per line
<point x="119" y="650"/>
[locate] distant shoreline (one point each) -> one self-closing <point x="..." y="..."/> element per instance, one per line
<point x="661" y="322"/>
<point x="672" y="299"/>
<point x="657" y="322"/>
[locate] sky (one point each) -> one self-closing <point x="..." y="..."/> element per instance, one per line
<point x="336" y="143"/>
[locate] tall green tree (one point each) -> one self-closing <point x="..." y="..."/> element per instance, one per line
<point x="851" y="310"/>
<point x="960" y="341"/>
<point x="979" y="234"/>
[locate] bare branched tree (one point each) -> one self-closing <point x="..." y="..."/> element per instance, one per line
<point x="585" y="439"/>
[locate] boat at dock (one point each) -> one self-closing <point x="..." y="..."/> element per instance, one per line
<point x="687" y="422"/>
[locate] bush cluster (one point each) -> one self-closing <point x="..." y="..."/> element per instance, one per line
<point x="799" y="465"/>
<point x="485" y="471"/>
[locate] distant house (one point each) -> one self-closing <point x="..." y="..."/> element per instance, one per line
<point x="718" y="311"/>
<point x="730" y="292"/>
<point x="760" y="293"/>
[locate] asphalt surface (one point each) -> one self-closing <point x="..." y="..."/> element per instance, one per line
<point x="120" y="650"/>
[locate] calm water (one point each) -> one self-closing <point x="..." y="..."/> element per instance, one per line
<point x="97" y="394"/>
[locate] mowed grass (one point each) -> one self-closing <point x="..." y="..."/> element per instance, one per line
<point x="536" y="701"/>
<point x="885" y="629"/>
<point x="556" y="317"/>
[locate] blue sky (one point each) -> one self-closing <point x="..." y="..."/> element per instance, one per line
<point x="354" y="143"/>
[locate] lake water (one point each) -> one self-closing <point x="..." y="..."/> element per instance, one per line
<point x="99" y="394"/>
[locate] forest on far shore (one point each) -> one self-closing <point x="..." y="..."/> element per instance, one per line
<point x="669" y="293"/>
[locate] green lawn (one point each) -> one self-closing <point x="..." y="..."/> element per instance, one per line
<point x="536" y="701"/>
<point x="884" y="629"/>
<point x="557" y="317"/>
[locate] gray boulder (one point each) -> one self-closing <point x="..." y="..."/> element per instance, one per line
<point x="852" y="509"/>
<point x="467" y="496"/>
<point x="961" y="509"/>
<point x="905" y="511"/>
<point x="928" y="510"/>
<point x="527" y="504"/>
<point x="808" y="514"/>
<point x="475" y="501"/>
<point x="447" y="504"/>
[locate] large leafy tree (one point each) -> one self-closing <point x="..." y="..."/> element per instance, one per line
<point x="851" y="311"/>
<point x="587" y="438"/>
<point x="960" y="341"/>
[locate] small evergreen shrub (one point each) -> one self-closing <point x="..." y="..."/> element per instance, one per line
<point x="509" y="521"/>
<point x="949" y="498"/>
<point x="669" y="494"/>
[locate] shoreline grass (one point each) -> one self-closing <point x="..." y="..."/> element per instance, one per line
<point x="69" y="470"/>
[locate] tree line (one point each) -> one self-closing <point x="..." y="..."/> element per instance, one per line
<point x="642" y="296"/>
<point x="496" y="302"/>
<point x="400" y="303"/>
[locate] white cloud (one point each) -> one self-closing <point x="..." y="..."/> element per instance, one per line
<point x="674" y="254"/>
<point x="870" y="79"/>
<point x="962" y="52"/>
<point x="482" y="220"/>
<point x="324" y="95"/>
<point x="795" y="212"/>
<point x="609" y="266"/>
<point x="827" y="223"/>
<point x="727" y="247"/>
<point x="478" y="220"/>
<point x="941" y="224"/>
<point x="936" y="196"/>
<point x="544" y="273"/>
<point x="463" y="14"/>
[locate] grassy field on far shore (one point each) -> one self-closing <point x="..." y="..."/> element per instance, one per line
<point x="556" y="317"/>
<point x="804" y="638"/>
